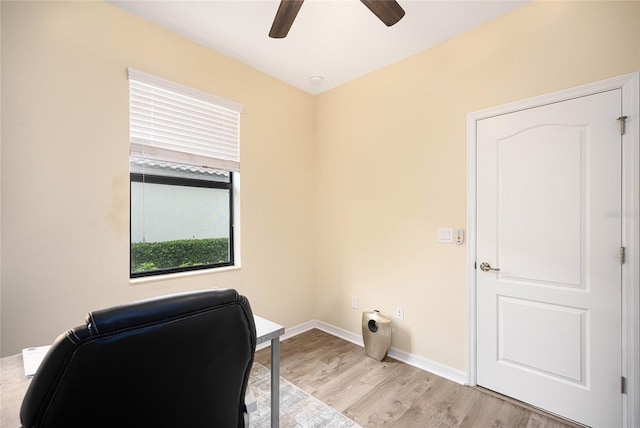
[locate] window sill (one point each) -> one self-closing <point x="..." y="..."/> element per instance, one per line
<point x="170" y="276"/>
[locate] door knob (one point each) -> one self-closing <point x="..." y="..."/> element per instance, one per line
<point x="486" y="267"/>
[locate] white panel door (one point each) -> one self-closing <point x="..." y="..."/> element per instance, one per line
<point x="549" y="320"/>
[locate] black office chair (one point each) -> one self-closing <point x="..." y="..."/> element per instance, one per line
<point x="180" y="361"/>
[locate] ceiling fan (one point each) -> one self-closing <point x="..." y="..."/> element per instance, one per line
<point x="388" y="11"/>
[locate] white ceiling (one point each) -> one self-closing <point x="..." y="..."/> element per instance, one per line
<point x="339" y="40"/>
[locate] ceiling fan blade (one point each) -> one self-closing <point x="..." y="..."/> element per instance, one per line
<point x="287" y="12"/>
<point x="388" y="11"/>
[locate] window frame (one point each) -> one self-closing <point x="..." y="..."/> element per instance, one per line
<point x="174" y="123"/>
<point x="186" y="182"/>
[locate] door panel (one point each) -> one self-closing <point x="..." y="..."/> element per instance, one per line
<point x="549" y="320"/>
<point x="525" y="326"/>
<point x="524" y="204"/>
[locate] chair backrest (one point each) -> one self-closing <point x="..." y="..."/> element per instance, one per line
<point x="176" y="361"/>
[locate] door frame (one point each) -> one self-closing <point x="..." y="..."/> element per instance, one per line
<point x="630" y="86"/>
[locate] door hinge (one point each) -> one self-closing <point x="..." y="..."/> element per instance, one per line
<point x="623" y="255"/>
<point x="623" y="124"/>
<point x="623" y="385"/>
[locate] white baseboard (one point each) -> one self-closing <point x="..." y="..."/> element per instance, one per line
<point x="417" y="361"/>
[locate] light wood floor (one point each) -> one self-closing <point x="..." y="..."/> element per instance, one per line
<point x="391" y="393"/>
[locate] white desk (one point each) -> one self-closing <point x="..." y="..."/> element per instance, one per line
<point x="14" y="384"/>
<point x="268" y="330"/>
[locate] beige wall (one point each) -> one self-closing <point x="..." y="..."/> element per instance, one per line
<point x="368" y="170"/>
<point x="391" y="148"/>
<point x="65" y="182"/>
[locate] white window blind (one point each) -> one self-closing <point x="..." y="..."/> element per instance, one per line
<point x="175" y="123"/>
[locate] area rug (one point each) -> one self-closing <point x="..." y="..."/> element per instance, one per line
<point x="297" y="408"/>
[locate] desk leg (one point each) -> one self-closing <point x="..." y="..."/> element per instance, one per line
<point x="275" y="382"/>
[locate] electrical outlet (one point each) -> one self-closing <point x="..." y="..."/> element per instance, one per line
<point x="400" y="314"/>
<point x="354" y="302"/>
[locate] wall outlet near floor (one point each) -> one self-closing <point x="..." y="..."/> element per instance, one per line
<point x="355" y="303"/>
<point x="400" y="314"/>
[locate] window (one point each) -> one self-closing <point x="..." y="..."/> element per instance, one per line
<point x="184" y="167"/>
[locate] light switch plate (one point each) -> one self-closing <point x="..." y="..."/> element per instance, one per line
<point x="445" y="235"/>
